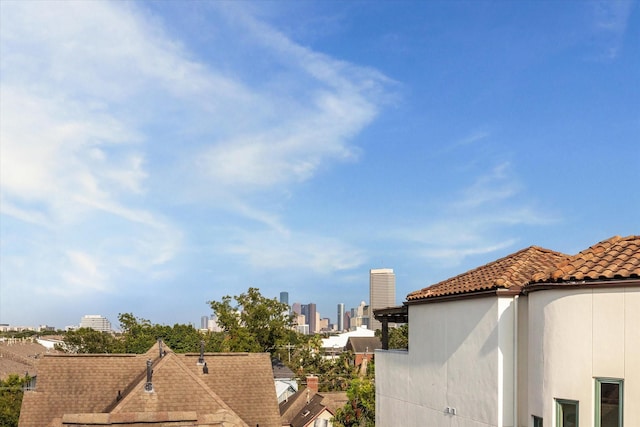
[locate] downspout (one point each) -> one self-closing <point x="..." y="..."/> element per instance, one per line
<point x="515" y="361"/>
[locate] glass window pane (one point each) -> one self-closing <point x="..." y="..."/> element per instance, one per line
<point x="609" y="404"/>
<point x="566" y="413"/>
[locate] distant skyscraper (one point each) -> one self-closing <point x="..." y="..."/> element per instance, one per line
<point x="382" y="292"/>
<point x="204" y="322"/>
<point x="284" y="297"/>
<point x="312" y="318"/>
<point x="95" y="322"/>
<point x="340" y="319"/>
<point x="296" y="308"/>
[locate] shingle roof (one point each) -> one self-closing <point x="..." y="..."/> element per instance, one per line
<point x="614" y="258"/>
<point x="364" y="344"/>
<point x="239" y="388"/>
<point x="245" y="382"/>
<point x="514" y="270"/>
<point x="305" y="405"/>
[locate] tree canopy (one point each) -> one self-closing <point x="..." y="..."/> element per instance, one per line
<point x="11" y="399"/>
<point x="253" y="323"/>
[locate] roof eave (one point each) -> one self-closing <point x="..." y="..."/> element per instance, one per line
<point x="500" y="292"/>
<point x="582" y="284"/>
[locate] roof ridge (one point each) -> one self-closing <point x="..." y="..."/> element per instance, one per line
<point x="499" y="280"/>
<point x="132" y="385"/>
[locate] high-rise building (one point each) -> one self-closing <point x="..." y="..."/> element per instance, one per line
<point x="340" y="318"/>
<point x="204" y="322"/>
<point x="312" y="318"/>
<point x="284" y="297"/>
<point x="382" y="292"/>
<point x="95" y="322"/>
<point x="296" y="308"/>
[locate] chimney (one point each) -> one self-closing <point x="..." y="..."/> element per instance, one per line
<point x="312" y="383"/>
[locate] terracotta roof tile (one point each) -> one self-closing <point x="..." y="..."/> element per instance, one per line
<point x="614" y="258"/>
<point x="514" y="270"/>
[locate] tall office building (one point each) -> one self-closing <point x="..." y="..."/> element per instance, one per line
<point x="340" y="319"/>
<point x="284" y="297"/>
<point x="382" y="292"/>
<point x="204" y="322"/>
<point x="95" y="322"/>
<point x="296" y="308"/>
<point x="312" y="319"/>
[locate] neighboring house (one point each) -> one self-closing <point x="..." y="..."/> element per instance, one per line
<point x="159" y="388"/>
<point x="335" y="344"/>
<point x="308" y="408"/>
<point x="363" y="348"/>
<point x="285" y="381"/>
<point x="21" y="357"/>
<point x="534" y="337"/>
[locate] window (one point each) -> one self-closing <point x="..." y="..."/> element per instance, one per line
<point x="537" y="421"/>
<point x="566" y="413"/>
<point x="608" y="402"/>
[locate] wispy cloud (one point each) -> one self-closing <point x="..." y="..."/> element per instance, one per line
<point x="476" y="220"/>
<point x="109" y="125"/>
<point x="610" y="22"/>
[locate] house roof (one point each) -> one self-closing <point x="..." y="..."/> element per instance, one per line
<point x="305" y="405"/>
<point x="21" y="357"/>
<point x="611" y="259"/>
<point x="364" y="344"/>
<point x="78" y="388"/>
<point x="280" y="370"/>
<point x="510" y="272"/>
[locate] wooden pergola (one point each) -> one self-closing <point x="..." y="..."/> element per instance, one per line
<point x="388" y="315"/>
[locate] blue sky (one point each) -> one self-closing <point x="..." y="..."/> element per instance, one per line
<point x="155" y="156"/>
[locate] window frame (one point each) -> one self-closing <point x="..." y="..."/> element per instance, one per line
<point x="559" y="403"/>
<point x="537" y="421"/>
<point x="598" y="399"/>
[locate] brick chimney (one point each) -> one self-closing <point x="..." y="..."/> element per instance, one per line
<point x="312" y="383"/>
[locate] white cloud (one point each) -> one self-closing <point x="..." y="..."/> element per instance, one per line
<point x="610" y="21"/>
<point x="107" y="121"/>
<point x="270" y="250"/>
<point x="477" y="220"/>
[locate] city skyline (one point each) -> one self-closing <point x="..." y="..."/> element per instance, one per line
<point x="157" y="155"/>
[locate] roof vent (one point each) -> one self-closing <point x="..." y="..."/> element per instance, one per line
<point x="148" y="386"/>
<point x="162" y="352"/>
<point x="201" y="358"/>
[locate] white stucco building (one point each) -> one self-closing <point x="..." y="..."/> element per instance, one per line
<point x="535" y="337"/>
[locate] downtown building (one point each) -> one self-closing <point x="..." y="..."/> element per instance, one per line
<point x="95" y="322"/>
<point x="382" y="292"/>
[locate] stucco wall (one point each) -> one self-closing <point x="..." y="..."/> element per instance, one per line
<point x="460" y="356"/>
<point x="576" y="335"/>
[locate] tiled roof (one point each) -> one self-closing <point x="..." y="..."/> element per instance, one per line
<point x="514" y="270"/>
<point x="614" y="258"/>
<point x="239" y="388"/>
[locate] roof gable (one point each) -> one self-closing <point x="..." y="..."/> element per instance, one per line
<point x="364" y="344"/>
<point x="239" y="387"/>
<point x="244" y="381"/>
<point x="611" y="259"/>
<point x="512" y="271"/>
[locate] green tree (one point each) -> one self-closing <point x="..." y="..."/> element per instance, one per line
<point x="360" y="410"/>
<point x="87" y="340"/>
<point x="138" y="335"/>
<point x="398" y="337"/>
<point x="11" y="399"/>
<point x="254" y="323"/>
